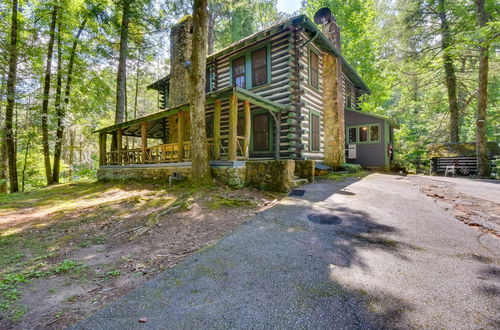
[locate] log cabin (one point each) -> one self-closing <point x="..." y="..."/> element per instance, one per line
<point x="283" y="93"/>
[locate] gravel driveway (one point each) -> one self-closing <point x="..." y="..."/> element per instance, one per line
<point x="393" y="257"/>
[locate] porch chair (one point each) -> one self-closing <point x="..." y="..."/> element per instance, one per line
<point x="450" y="169"/>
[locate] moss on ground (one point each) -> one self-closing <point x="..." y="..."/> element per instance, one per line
<point x="218" y="202"/>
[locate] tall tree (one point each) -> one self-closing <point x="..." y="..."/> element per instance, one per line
<point x="9" y="110"/>
<point x="46" y="94"/>
<point x="3" y="146"/>
<point x="58" y="107"/>
<point x="121" y="78"/>
<point x="450" y="75"/>
<point x="61" y="109"/>
<point x="482" y="95"/>
<point x="199" y="154"/>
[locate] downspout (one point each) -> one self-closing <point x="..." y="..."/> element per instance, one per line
<point x="316" y="34"/>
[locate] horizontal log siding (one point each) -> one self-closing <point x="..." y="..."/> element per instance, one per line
<point x="313" y="100"/>
<point x="278" y="90"/>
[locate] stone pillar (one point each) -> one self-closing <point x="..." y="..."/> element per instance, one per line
<point x="180" y="55"/>
<point x="333" y="111"/>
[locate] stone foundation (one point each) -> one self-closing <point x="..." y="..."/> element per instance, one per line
<point x="271" y="175"/>
<point x="304" y="169"/>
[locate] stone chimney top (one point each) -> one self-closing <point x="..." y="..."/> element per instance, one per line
<point x="180" y="54"/>
<point x="330" y="27"/>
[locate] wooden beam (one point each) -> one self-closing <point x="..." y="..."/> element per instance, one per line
<point x="102" y="149"/>
<point x="246" y="146"/>
<point x="119" y="145"/>
<point x="144" y="140"/>
<point x="233" y="123"/>
<point x="180" y="135"/>
<point x="217" y="112"/>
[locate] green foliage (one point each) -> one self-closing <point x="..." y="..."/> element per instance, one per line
<point x="351" y="168"/>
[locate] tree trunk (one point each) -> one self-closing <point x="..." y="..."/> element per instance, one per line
<point x="9" y="111"/>
<point x="211" y="32"/>
<point x="3" y="147"/>
<point x="482" y="98"/>
<point x="57" y="106"/>
<point x="71" y="154"/>
<point x="26" y="153"/>
<point x="199" y="153"/>
<point x="61" y="110"/>
<point x="451" y="78"/>
<point x="121" y="78"/>
<point x="46" y="94"/>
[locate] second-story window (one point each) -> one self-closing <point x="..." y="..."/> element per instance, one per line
<point x="239" y="73"/>
<point x="259" y="67"/>
<point x="313" y="69"/>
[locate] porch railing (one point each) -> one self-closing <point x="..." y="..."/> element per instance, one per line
<point x="162" y="153"/>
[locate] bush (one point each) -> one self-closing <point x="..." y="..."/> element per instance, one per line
<point x="351" y="168"/>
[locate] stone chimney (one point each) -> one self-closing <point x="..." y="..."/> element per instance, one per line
<point x="180" y="57"/>
<point x="333" y="101"/>
<point x="332" y="31"/>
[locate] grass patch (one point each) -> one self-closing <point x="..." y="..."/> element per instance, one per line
<point x="339" y="176"/>
<point x="217" y="202"/>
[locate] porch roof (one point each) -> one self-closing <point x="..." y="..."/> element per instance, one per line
<point x="156" y="120"/>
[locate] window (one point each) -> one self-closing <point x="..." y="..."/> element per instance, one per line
<point x="261" y="132"/>
<point x="259" y="67"/>
<point x="363" y="134"/>
<point x="314" y="132"/>
<point x="208" y="83"/>
<point x="313" y="69"/>
<point x="239" y="74"/>
<point x="352" y="135"/>
<point x="252" y="68"/>
<point x="374" y="133"/>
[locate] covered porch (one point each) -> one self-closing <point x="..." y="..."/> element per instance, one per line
<point x="165" y="135"/>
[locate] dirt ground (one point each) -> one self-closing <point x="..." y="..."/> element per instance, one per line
<point x="476" y="212"/>
<point x="68" y="250"/>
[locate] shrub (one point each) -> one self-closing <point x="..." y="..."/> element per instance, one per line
<point x="351" y="168"/>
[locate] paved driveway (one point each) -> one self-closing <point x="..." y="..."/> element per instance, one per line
<point x="398" y="259"/>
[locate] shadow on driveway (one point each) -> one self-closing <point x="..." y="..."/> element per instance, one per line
<point x="278" y="270"/>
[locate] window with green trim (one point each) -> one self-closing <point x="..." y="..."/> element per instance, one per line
<point x="259" y="67"/>
<point x="252" y="69"/>
<point x="208" y="81"/>
<point x="369" y="133"/>
<point x="314" y="122"/>
<point x="313" y="69"/>
<point x="239" y="72"/>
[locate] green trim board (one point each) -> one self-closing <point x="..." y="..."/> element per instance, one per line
<point x="369" y="127"/>
<point x="315" y="113"/>
<point x="247" y="54"/>
<point x="386" y="142"/>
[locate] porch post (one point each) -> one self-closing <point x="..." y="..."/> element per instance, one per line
<point x="102" y="149"/>
<point x="217" y="112"/>
<point x="119" y="145"/>
<point x="180" y="135"/>
<point x="233" y="121"/>
<point x="144" y="140"/>
<point x="246" y="146"/>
